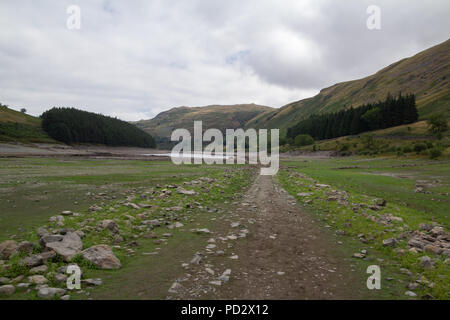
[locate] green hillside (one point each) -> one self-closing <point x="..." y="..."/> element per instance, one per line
<point x="406" y="140"/>
<point x="426" y="74"/>
<point x="21" y="127"/>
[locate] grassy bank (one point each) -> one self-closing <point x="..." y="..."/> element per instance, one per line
<point x="416" y="192"/>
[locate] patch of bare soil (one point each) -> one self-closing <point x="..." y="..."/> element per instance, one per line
<point x="271" y="250"/>
<point x="13" y="150"/>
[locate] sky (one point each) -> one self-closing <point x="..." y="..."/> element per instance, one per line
<point x="133" y="59"/>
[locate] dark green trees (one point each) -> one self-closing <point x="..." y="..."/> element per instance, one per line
<point x="70" y="125"/>
<point x="385" y="114"/>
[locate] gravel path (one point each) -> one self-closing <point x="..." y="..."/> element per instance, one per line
<point x="285" y="254"/>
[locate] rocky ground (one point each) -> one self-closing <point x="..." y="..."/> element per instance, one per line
<point x="390" y="235"/>
<point x="270" y="250"/>
<point x="231" y="235"/>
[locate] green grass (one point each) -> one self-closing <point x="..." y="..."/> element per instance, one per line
<point x="142" y="181"/>
<point x="33" y="189"/>
<point x="364" y="181"/>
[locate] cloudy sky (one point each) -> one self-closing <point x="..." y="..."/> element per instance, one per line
<point x="134" y="59"/>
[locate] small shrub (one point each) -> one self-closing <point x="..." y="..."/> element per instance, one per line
<point x="419" y="147"/>
<point x="435" y="153"/>
<point x="82" y="262"/>
<point x="303" y="140"/>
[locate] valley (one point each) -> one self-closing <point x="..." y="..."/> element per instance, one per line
<point x="218" y="231"/>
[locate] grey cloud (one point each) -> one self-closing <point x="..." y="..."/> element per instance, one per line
<point x="134" y="59"/>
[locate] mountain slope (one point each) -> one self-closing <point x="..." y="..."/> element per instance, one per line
<point x="215" y="116"/>
<point x="18" y="126"/>
<point x="426" y="74"/>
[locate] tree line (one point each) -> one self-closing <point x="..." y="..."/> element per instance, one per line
<point x="391" y="112"/>
<point x="71" y="125"/>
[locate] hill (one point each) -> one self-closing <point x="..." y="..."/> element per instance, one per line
<point x="427" y="75"/>
<point x="215" y="116"/>
<point x="70" y="125"/>
<point x="18" y="126"/>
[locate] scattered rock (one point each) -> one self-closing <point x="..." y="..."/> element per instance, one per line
<point x="22" y="286"/>
<point x="204" y="230"/>
<point x="42" y="232"/>
<point x="425" y="227"/>
<point x="57" y="219"/>
<point x="49" y="293"/>
<point x="110" y="225"/>
<point x="210" y="271"/>
<point x="410" y="294"/>
<point x="41" y="269"/>
<point x="225" y="277"/>
<point x="437" y="231"/>
<point x="426" y="262"/>
<point x="412" y="286"/>
<point x="95" y="208"/>
<point x="70" y="246"/>
<point x="8" y="248"/>
<point x="93" y="282"/>
<point x="37" y="279"/>
<point x="59" y="277"/>
<point x="25" y="246"/>
<point x="51" y="238"/>
<point x="407" y="272"/>
<point x="391" y="242"/>
<point x="186" y="192"/>
<point x="7" y="290"/>
<point x="32" y="261"/>
<point x="18" y="279"/>
<point x="415" y="243"/>
<point x="102" y="256"/>
<point x="433" y="249"/>
<point x="176" y="286"/>
<point x="196" y="259"/>
<point x="132" y="205"/>
<point x="304" y="194"/>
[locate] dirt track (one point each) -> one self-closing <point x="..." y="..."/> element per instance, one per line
<point x="286" y="255"/>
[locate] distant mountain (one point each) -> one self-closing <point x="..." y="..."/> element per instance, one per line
<point x="215" y="116"/>
<point x="426" y="74"/>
